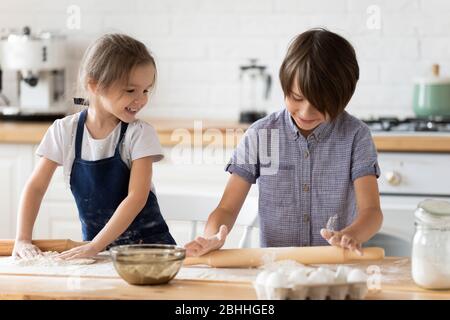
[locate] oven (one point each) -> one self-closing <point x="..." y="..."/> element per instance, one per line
<point x="407" y="178"/>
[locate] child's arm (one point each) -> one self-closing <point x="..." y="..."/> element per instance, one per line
<point x="30" y="202"/>
<point x="368" y="221"/>
<point x="222" y="219"/>
<point x="138" y="191"/>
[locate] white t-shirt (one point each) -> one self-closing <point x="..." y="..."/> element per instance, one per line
<point x="58" y="144"/>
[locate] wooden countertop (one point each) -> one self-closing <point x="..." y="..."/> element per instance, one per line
<point x="396" y="284"/>
<point x="226" y="133"/>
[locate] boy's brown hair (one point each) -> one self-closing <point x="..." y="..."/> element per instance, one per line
<point x="325" y="67"/>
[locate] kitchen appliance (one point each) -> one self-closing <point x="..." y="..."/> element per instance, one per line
<point x="432" y="95"/>
<point x="255" y="257"/>
<point x="407" y="178"/>
<point x="255" y="86"/>
<point x="4" y="101"/>
<point x="409" y="125"/>
<point x="39" y="62"/>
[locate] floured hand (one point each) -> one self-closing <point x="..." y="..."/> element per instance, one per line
<point x="342" y="239"/>
<point x="25" y="250"/>
<point x="202" y="245"/>
<point x="84" y="251"/>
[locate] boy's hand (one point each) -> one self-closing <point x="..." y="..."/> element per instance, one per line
<point x="202" y="245"/>
<point x="85" y="251"/>
<point x="342" y="239"/>
<point x="25" y="250"/>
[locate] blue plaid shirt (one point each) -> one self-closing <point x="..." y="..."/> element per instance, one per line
<point x="303" y="182"/>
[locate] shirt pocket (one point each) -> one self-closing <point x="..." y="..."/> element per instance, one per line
<point x="278" y="189"/>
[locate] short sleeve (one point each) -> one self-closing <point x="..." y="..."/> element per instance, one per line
<point x="244" y="161"/>
<point x="144" y="142"/>
<point x="51" y="146"/>
<point x="364" y="155"/>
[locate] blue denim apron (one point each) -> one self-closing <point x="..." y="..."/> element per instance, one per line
<point x="100" y="186"/>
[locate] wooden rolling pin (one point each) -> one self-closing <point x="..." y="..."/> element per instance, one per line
<point x="59" y="245"/>
<point x="234" y="258"/>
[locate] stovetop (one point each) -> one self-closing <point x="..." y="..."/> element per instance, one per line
<point x="408" y="125"/>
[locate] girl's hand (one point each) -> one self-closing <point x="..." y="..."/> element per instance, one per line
<point x="24" y="249"/>
<point x="84" y="251"/>
<point x="342" y="239"/>
<point x="202" y="245"/>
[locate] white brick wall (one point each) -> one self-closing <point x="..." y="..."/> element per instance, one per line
<point x="199" y="44"/>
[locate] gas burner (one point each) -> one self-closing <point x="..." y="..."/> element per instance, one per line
<point x="426" y="126"/>
<point x="382" y="124"/>
<point x="393" y="124"/>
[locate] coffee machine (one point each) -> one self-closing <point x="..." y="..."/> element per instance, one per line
<point x="38" y="62"/>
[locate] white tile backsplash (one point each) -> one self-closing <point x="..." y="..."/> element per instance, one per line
<point x="199" y="44"/>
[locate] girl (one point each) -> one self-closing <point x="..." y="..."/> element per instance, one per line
<point x="323" y="160"/>
<point x="106" y="152"/>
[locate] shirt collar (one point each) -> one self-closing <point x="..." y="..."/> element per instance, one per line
<point x="321" y="132"/>
<point x="293" y="130"/>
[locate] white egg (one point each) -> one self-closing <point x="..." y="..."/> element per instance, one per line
<point x="275" y="280"/>
<point x="287" y="266"/>
<point x="298" y="276"/>
<point x="356" y="275"/>
<point x="329" y="274"/>
<point x="341" y="274"/>
<point x="262" y="277"/>
<point x="317" y="277"/>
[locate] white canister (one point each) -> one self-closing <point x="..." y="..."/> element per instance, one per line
<point x="431" y="245"/>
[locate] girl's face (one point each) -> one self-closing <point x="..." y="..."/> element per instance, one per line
<point x="125" y="100"/>
<point x="304" y="114"/>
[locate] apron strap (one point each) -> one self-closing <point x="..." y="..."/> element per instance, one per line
<point x="123" y="129"/>
<point x="79" y="136"/>
<point x="80" y="130"/>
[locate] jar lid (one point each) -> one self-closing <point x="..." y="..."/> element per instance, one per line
<point x="434" y="212"/>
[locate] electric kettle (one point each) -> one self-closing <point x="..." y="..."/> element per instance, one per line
<point x="255" y="85"/>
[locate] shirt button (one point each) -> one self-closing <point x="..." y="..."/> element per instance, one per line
<point x="306" y="217"/>
<point x="305" y="188"/>
<point x="306" y="154"/>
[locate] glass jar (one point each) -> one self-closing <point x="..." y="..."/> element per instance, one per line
<point x="431" y="245"/>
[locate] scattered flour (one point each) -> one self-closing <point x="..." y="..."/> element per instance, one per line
<point x="49" y="259"/>
<point x="217" y="274"/>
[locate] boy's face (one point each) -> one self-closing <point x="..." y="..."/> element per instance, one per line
<point x="304" y="114"/>
<point x="125" y="100"/>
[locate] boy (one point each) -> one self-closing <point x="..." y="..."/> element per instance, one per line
<point x="313" y="162"/>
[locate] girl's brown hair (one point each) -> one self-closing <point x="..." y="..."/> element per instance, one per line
<point x="111" y="58"/>
<point x="325" y="68"/>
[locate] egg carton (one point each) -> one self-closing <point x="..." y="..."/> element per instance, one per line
<point x="333" y="291"/>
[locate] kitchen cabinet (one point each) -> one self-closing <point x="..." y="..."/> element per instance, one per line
<point x="58" y="216"/>
<point x="406" y="179"/>
<point x="16" y="164"/>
